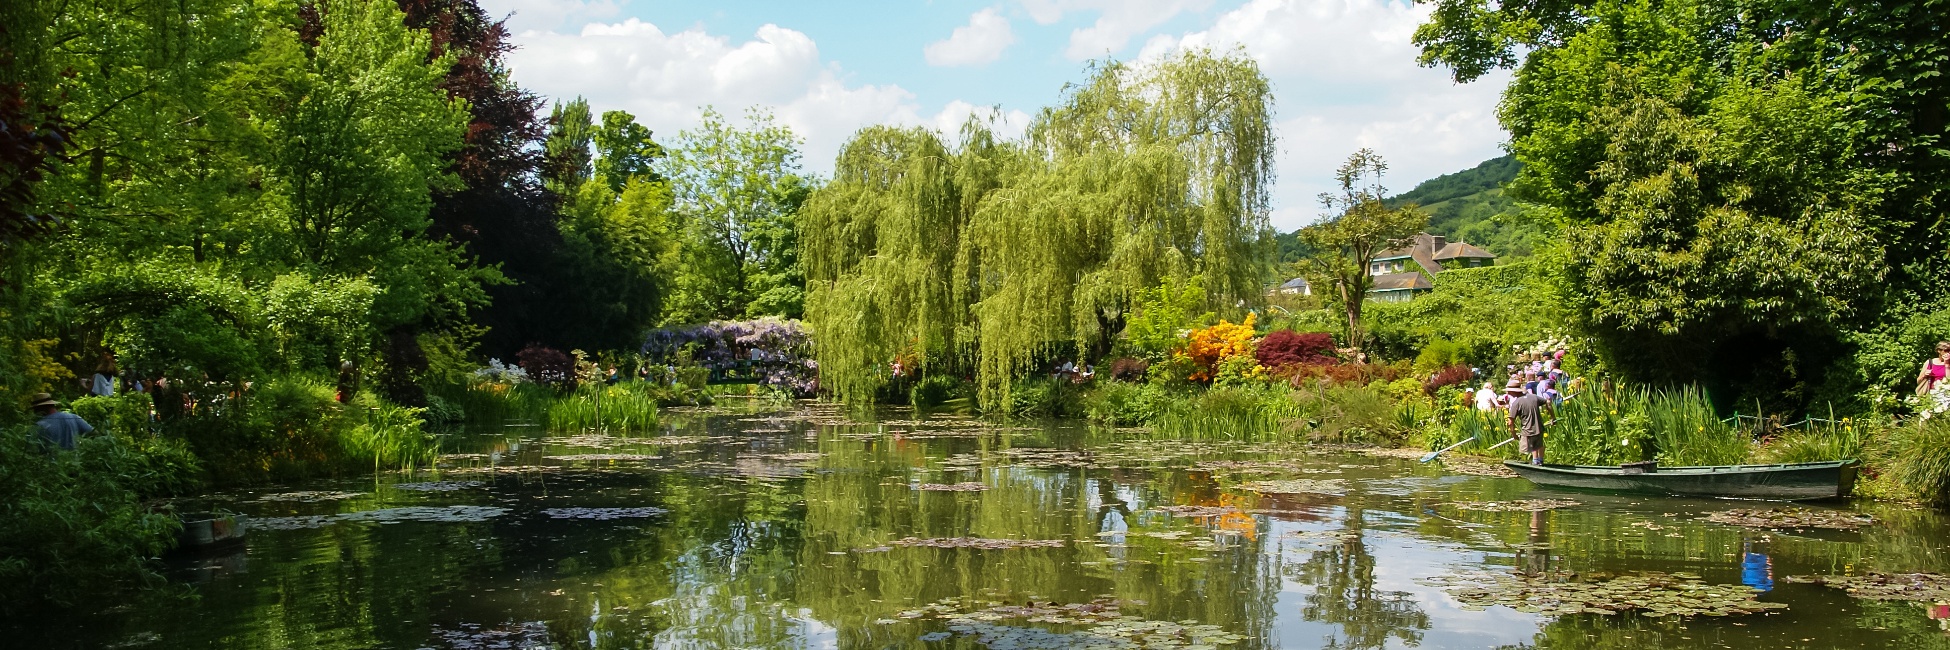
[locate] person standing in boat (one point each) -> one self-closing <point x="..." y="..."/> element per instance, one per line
<point x="1525" y="419"/>
<point x="1932" y="389"/>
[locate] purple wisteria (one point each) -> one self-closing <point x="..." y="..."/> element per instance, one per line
<point x="777" y="353"/>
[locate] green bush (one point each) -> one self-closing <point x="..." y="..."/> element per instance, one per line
<point x="72" y="524"/>
<point x="292" y="426"/>
<point x="126" y="414"/>
<point x="935" y="390"/>
<point x="1814" y="444"/>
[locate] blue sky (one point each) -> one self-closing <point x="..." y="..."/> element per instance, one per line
<point x="1343" y="72"/>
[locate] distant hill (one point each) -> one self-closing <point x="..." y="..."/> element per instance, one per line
<point x="1468" y="205"/>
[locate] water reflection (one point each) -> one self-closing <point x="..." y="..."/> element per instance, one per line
<point x="777" y="526"/>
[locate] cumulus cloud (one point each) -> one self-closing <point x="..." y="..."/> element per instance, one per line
<point x="1118" y="21"/>
<point x="1345" y="77"/>
<point x="533" y="15"/>
<point x="979" y="42"/>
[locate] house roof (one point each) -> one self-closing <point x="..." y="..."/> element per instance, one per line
<point x="1408" y="281"/>
<point x="1458" y="250"/>
<point x="1296" y="283"/>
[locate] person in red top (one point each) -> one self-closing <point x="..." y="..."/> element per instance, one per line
<point x="1930" y="383"/>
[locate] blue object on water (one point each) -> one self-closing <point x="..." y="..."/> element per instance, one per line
<point x="1757" y="571"/>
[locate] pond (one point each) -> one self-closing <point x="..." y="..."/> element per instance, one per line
<point x="793" y="526"/>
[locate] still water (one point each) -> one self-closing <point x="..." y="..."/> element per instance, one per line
<point x="793" y="526"/>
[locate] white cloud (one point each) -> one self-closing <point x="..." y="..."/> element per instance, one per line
<point x="1118" y="21"/>
<point x="981" y="41"/>
<point x="664" y="79"/>
<point x="1345" y="77"/>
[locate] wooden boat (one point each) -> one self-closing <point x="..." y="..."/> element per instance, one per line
<point x="209" y="530"/>
<point x="1792" y="482"/>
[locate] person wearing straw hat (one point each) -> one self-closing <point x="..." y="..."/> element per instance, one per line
<point x="1525" y="418"/>
<point x="59" y="429"/>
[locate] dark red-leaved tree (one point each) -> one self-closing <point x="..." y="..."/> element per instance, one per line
<point x="1287" y="347"/>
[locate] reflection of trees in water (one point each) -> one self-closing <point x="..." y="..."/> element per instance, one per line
<point x="1344" y="594"/>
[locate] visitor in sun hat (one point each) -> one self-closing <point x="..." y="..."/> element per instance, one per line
<point x="59" y="429"/>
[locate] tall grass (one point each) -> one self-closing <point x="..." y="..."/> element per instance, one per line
<point x="495" y="403"/>
<point x="622" y="407"/>
<point x="1688" y="432"/>
<point x="1916" y="460"/>
<point x="1230" y="412"/>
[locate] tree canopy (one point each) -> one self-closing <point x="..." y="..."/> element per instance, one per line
<point x="990" y="255"/>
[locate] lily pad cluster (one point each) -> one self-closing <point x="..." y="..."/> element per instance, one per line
<point x="987" y="543"/>
<point x="437" y="486"/>
<point x="623" y="457"/>
<point x="968" y="486"/>
<point x="604" y="514"/>
<point x="1652" y="594"/>
<point x="1285" y="466"/>
<point x="1516" y="505"/>
<point x="1331" y="486"/>
<point x="439" y="514"/>
<point x="1476" y="467"/>
<point x="1922" y="587"/>
<point x="1792" y="517"/>
<point x="1100" y="626"/>
<point x="308" y="496"/>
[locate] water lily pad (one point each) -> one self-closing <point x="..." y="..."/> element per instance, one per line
<point x="442" y="514"/>
<point x="1200" y="511"/>
<point x="1516" y="505"/>
<point x="1922" y="587"/>
<point x="1791" y="517"/>
<point x="978" y="542"/>
<point x="603" y="514"/>
<point x="308" y="496"/>
<point x="570" y="458"/>
<point x="437" y="486"/>
<point x="970" y="486"/>
<point x="1650" y="594"/>
<point x="1332" y="486"/>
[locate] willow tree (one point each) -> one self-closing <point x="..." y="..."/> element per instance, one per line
<point x="997" y="254"/>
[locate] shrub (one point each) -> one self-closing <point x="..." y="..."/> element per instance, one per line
<point x="1286" y="347"/>
<point x="1450" y="376"/>
<point x="1129" y="369"/>
<point x="72" y="525"/>
<point x="547" y="365"/>
<point x="1209" y="346"/>
<point x="1232" y="412"/>
<point x="935" y="390"/>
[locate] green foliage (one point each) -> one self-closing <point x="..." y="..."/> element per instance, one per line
<point x="1473" y="317"/>
<point x="737" y="191"/>
<point x="1675" y="427"/>
<point x="1836" y="441"/>
<point x="1486" y="176"/>
<point x="126" y="414"/>
<point x="1744" y="192"/>
<point x="1916" y="460"/>
<point x="1360" y="225"/>
<point x="936" y="390"/>
<point x="73" y="524"/>
<point x="1226" y="412"/>
<point x="994" y="255"/>
<point x="1163" y="314"/>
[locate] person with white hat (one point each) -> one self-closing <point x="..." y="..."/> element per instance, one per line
<point x="59" y="429"/>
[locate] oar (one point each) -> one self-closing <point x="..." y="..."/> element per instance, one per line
<point x="1431" y="455"/>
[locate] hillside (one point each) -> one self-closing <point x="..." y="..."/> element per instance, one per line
<point x="1468" y="205"/>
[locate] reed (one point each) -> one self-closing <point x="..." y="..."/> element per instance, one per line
<point x="1229" y="412"/>
<point x="1915" y="459"/>
<point x="622" y="407"/>
<point x="495" y="403"/>
<point x="1688" y="432"/>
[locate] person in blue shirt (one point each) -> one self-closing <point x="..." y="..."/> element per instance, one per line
<point x="59" y="429"/>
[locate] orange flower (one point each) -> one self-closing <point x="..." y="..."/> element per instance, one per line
<point x="1210" y="346"/>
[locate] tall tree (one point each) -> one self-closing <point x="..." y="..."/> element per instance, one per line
<point x="736" y="190"/>
<point x="1358" y="226"/>
<point x="1750" y="193"/>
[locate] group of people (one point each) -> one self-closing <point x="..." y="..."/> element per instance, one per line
<point x="1537" y="384"/>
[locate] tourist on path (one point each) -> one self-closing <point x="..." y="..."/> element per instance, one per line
<point x="1485" y="398"/>
<point x="59" y="429"/>
<point x="1525" y="418"/>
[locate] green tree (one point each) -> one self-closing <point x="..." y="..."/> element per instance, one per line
<point x="736" y="190"/>
<point x="1359" y="226"/>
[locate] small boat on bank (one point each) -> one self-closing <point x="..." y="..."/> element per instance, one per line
<point x="209" y="530"/>
<point x="1790" y="482"/>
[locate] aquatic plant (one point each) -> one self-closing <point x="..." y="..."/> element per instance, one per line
<point x="626" y="406"/>
<point x="1650" y="594"/>
<point x="1915" y="460"/>
<point x="1876" y="585"/>
<point x="1790" y="518"/>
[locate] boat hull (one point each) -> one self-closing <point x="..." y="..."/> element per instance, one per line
<point x="1792" y="482"/>
<point x="204" y="530"/>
